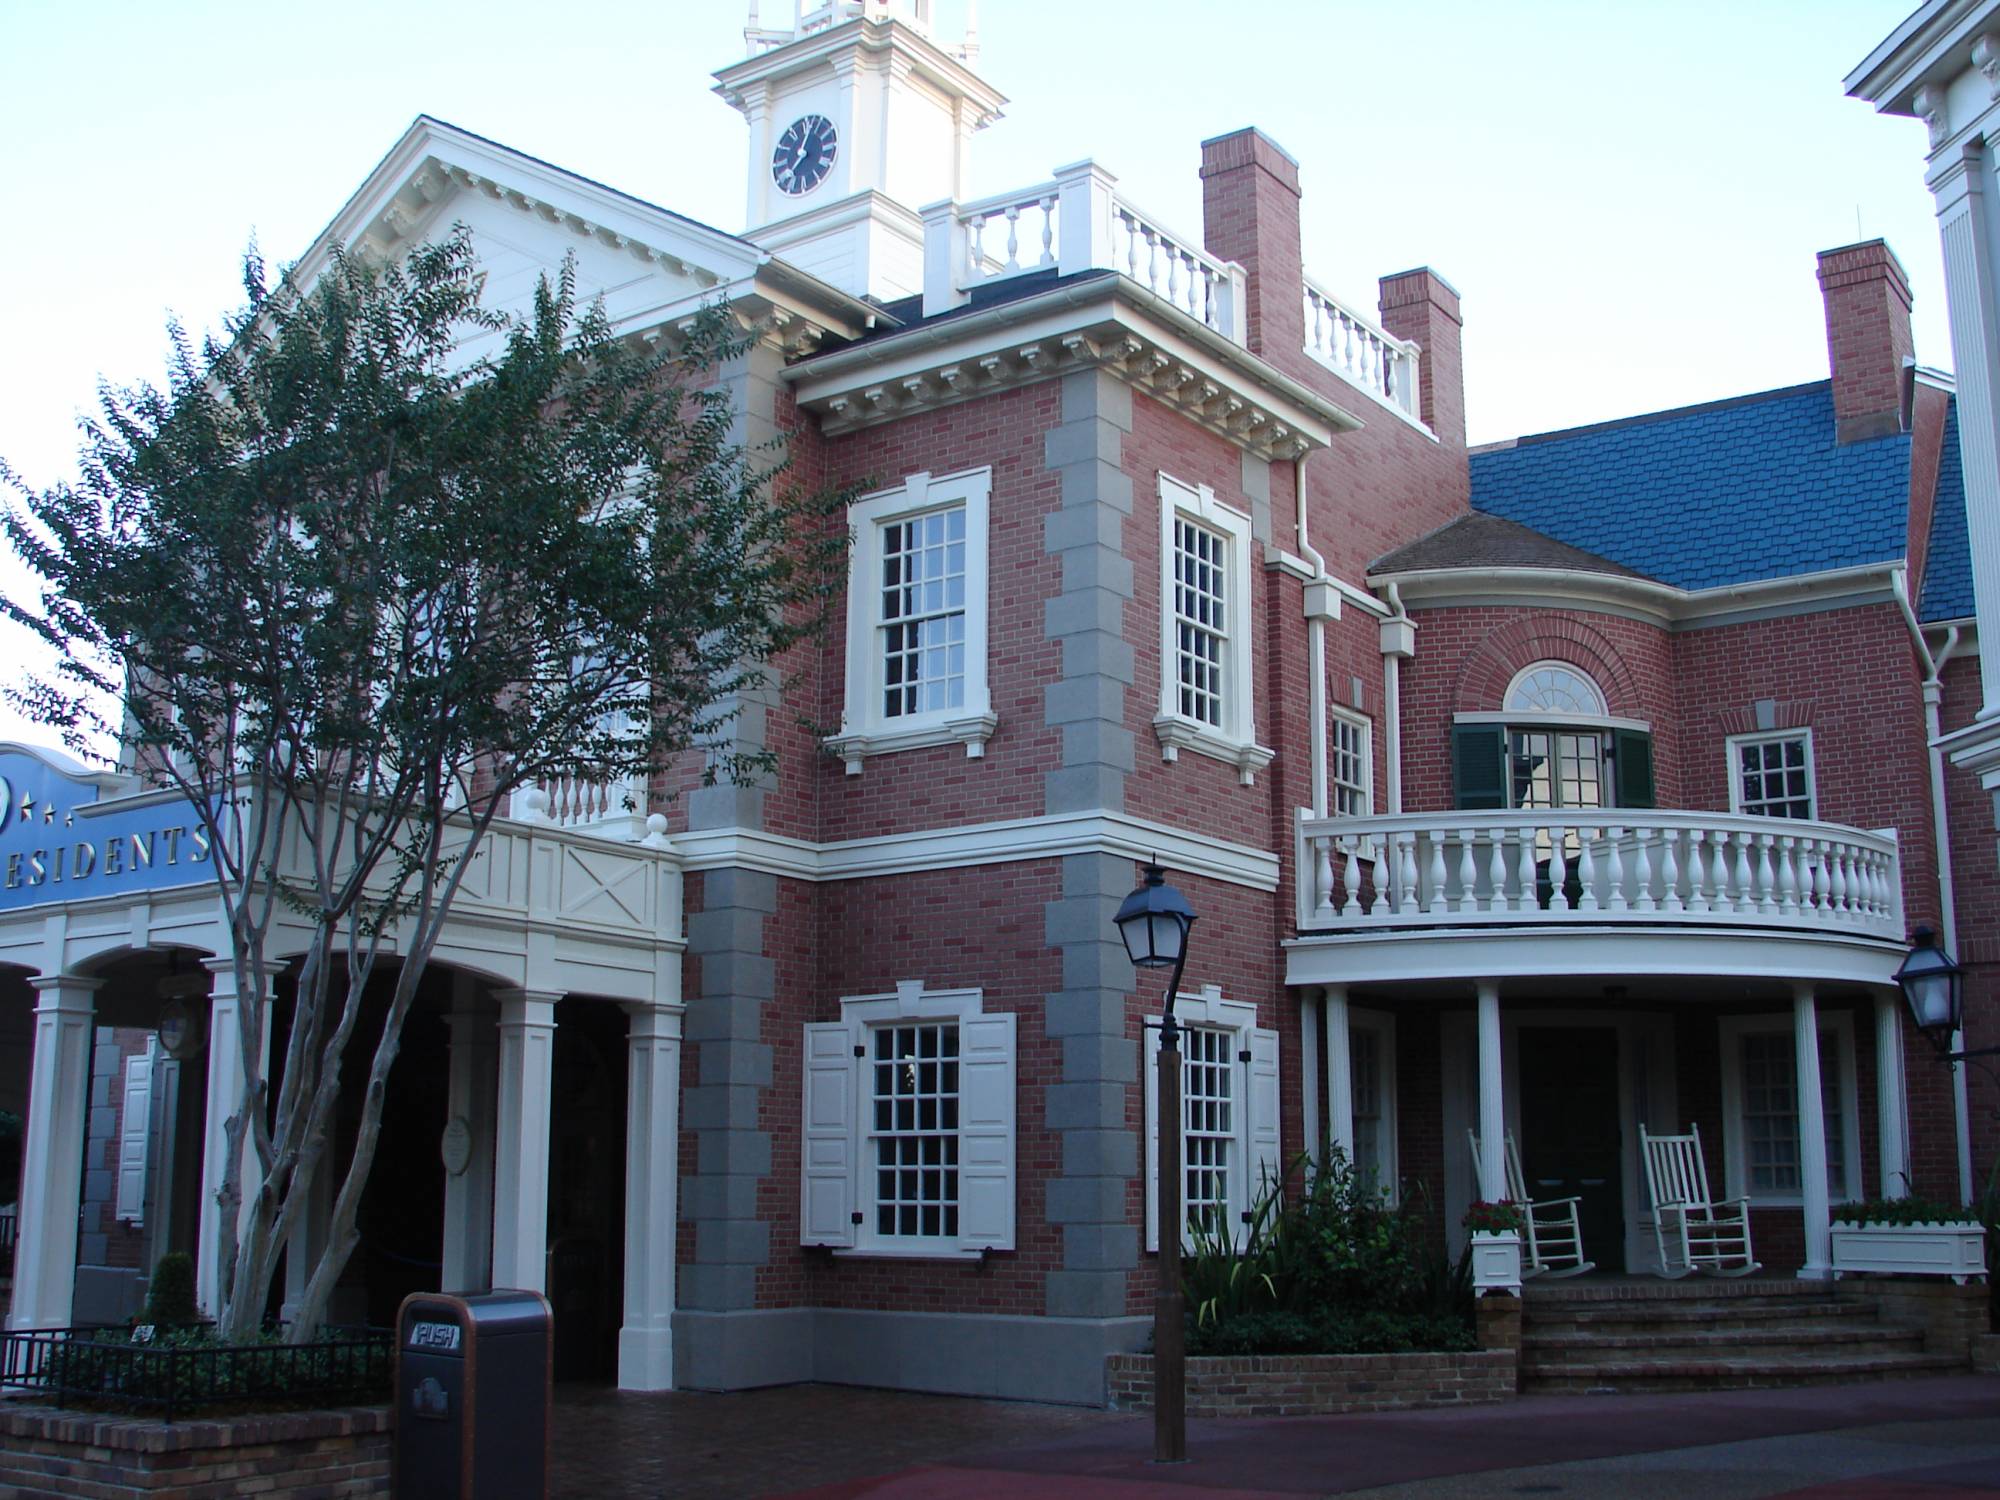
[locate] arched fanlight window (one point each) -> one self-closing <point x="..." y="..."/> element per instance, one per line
<point x="1553" y="687"/>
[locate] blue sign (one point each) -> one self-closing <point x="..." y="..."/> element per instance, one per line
<point x="60" y="842"/>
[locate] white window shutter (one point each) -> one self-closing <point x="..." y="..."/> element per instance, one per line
<point x="827" y="1162"/>
<point x="1265" y="1167"/>
<point x="135" y="1136"/>
<point x="986" y="1132"/>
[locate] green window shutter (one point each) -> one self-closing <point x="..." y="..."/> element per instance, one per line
<point x="1479" y="765"/>
<point x="1632" y="754"/>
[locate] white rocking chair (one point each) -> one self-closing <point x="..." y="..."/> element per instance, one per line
<point x="1693" y="1231"/>
<point x="1553" y="1232"/>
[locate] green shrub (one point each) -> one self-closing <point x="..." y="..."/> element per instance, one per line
<point x="1903" y="1211"/>
<point x="1333" y="1267"/>
<point x="170" y="1295"/>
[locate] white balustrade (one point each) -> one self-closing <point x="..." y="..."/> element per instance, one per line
<point x="1536" y="867"/>
<point x="616" y="808"/>
<point x="1076" y="221"/>
<point x="1361" y="351"/>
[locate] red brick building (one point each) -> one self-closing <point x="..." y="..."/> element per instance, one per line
<point x="1558" y="791"/>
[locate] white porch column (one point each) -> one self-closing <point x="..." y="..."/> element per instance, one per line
<point x="1492" y="1111"/>
<point x="1891" y="1102"/>
<point x="521" y="1145"/>
<point x="1309" y="1034"/>
<point x="652" y="1149"/>
<point x="1812" y="1136"/>
<point x="469" y="1128"/>
<point x="1339" y="1071"/>
<point x="52" y="1152"/>
<point x="225" y="1099"/>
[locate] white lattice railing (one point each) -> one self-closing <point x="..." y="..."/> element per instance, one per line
<point x="1532" y="868"/>
<point x="1076" y="221"/>
<point x="811" y="16"/>
<point x="1361" y="351"/>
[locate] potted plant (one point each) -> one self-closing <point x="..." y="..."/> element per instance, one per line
<point x="1908" y="1237"/>
<point x="1496" y="1245"/>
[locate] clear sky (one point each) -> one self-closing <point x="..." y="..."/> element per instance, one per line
<point x="1628" y="194"/>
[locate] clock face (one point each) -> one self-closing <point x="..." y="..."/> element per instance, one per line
<point x="805" y="154"/>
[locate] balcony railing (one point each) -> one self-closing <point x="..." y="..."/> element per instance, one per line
<point x="1535" y="868"/>
<point x="1076" y="221"/>
<point x="615" y="809"/>
<point x="1361" y="352"/>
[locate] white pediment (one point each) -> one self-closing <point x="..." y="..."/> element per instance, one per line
<point x="650" y="265"/>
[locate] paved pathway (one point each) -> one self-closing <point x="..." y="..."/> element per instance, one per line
<point x="1936" y="1439"/>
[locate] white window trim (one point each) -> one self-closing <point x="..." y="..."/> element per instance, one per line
<point x="834" y="1170"/>
<point x="1733" y="747"/>
<point x="1256" y="1092"/>
<point x="1381" y="1025"/>
<point x="864" y="729"/>
<point x="1366" y="726"/>
<point x="1235" y="742"/>
<point x="1840" y="1026"/>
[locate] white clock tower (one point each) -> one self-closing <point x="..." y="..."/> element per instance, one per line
<point x="859" y="116"/>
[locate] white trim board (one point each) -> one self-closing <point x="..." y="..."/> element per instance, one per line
<point x="1047" y="837"/>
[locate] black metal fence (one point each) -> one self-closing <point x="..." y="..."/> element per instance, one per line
<point x="104" y="1368"/>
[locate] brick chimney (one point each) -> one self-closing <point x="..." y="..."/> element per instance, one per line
<point x="1867" y="338"/>
<point x="1250" y="214"/>
<point x="1422" y="305"/>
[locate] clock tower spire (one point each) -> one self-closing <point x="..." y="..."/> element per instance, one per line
<point x="860" y="114"/>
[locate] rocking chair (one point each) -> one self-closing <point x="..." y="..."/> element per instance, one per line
<point x="1693" y="1231"/>
<point x="1553" y="1232"/>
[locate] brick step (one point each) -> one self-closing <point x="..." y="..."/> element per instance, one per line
<point x="1727" y="1374"/>
<point x="1767" y="1343"/>
<point x="1736" y="1314"/>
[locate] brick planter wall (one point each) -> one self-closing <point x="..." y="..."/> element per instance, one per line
<point x="47" y="1451"/>
<point x="1318" y="1385"/>
<point x="1986" y="1353"/>
<point x="1951" y="1316"/>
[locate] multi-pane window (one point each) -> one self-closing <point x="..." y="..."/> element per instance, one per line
<point x="1364" y="1061"/>
<point x="1348" y="766"/>
<point x="1201" y="620"/>
<point x="1555" y="768"/>
<point x="1770" y="1114"/>
<point x="915" y="1130"/>
<point x="923" y="613"/>
<point x="1773" y="775"/>
<point x="1208" y="1069"/>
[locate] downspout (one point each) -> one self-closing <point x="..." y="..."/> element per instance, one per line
<point x="1933" y="691"/>
<point x="1392" y="709"/>
<point x="1315" y="649"/>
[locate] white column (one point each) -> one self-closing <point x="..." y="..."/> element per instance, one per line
<point x="652" y="1148"/>
<point x="469" y="1129"/>
<point x="1812" y="1136"/>
<point x="52" y="1152"/>
<point x="1339" y="1071"/>
<point x="521" y="1146"/>
<point x="1492" y="1111"/>
<point x="1972" y="298"/>
<point x="1309" y="1033"/>
<point x="225" y="1099"/>
<point x="1891" y="1103"/>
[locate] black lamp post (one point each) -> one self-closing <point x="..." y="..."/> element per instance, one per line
<point x="1155" y="922"/>
<point x="1934" y="987"/>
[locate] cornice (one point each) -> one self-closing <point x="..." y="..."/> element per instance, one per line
<point x="1050" y="837"/>
<point x="1932" y="43"/>
<point x="890" y="36"/>
<point x="1641" y="598"/>
<point x="1107" y="322"/>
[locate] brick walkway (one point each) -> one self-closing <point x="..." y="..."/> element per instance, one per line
<point x="611" y="1445"/>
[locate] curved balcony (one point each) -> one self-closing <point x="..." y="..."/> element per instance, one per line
<point x="1542" y="869"/>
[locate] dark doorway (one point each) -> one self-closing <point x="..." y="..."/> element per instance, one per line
<point x="401" y="1218"/>
<point x="587" y="1189"/>
<point x="1570" y="1142"/>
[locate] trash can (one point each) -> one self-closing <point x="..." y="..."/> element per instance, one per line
<point x="473" y="1383"/>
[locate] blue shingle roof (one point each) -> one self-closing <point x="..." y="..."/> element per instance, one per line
<point x="1948" y="563"/>
<point x="1710" y="495"/>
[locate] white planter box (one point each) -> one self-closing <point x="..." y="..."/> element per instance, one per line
<point x="1496" y="1261"/>
<point x="1957" y="1250"/>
